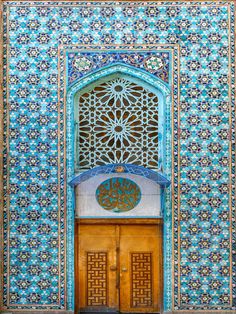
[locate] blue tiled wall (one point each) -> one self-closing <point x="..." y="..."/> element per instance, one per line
<point x="34" y="256"/>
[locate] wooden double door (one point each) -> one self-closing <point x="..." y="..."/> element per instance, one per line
<point x="118" y="268"/>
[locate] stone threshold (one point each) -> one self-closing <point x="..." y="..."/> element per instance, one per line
<point x="72" y="312"/>
<point x="36" y="312"/>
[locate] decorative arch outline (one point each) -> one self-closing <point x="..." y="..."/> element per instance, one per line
<point x="121" y="68"/>
<point x="154" y="176"/>
<point x="164" y="92"/>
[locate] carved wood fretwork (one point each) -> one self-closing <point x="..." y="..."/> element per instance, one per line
<point x="141" y="279"/>
<point x="96" y="278"/>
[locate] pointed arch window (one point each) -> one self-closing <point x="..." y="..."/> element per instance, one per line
<point x="116" y="122"/>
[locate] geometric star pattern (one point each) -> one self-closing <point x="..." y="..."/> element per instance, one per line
<point x="33" y="223"/>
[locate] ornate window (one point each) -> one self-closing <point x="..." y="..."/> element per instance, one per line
<point x="116" y="122"/>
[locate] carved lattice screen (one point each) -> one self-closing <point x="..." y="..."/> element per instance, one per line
<point x="117" y="122"/>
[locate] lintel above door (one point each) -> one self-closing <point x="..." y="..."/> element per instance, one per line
<point x="119" y="191"/>
<point x="121" y="221"/>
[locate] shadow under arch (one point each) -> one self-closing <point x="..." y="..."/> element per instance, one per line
<point x="163" y="91"/>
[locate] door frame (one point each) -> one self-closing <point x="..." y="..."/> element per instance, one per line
<point x="119" y="221"/>
<point x="113" y="221"/>
<point x="168" y="201"/>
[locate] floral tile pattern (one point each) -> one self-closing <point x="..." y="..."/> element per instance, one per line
<point x="86" y="63"/>
<point x="204" y="231"/>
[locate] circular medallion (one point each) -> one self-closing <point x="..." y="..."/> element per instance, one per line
<point x="118" y="194"/>
<point x="82" y="64"/>
<point x="153" y="63"/>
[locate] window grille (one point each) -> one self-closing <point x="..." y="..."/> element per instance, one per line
<point x="116" y="122"/>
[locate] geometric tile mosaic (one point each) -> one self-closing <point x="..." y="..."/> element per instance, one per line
<point x="203" y="215"/>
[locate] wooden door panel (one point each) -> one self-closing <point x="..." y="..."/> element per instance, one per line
<point x="141" y="277"/>
<point x="140" y="269"/>
<point x="97" y="279"/>
<point x="97" y="276"/>
<point x="119" y="267"/>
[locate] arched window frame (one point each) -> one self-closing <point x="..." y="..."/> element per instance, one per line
<point x="144" y="85"/>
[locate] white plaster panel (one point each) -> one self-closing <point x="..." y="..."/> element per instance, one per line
<point x="87" y="205"/>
